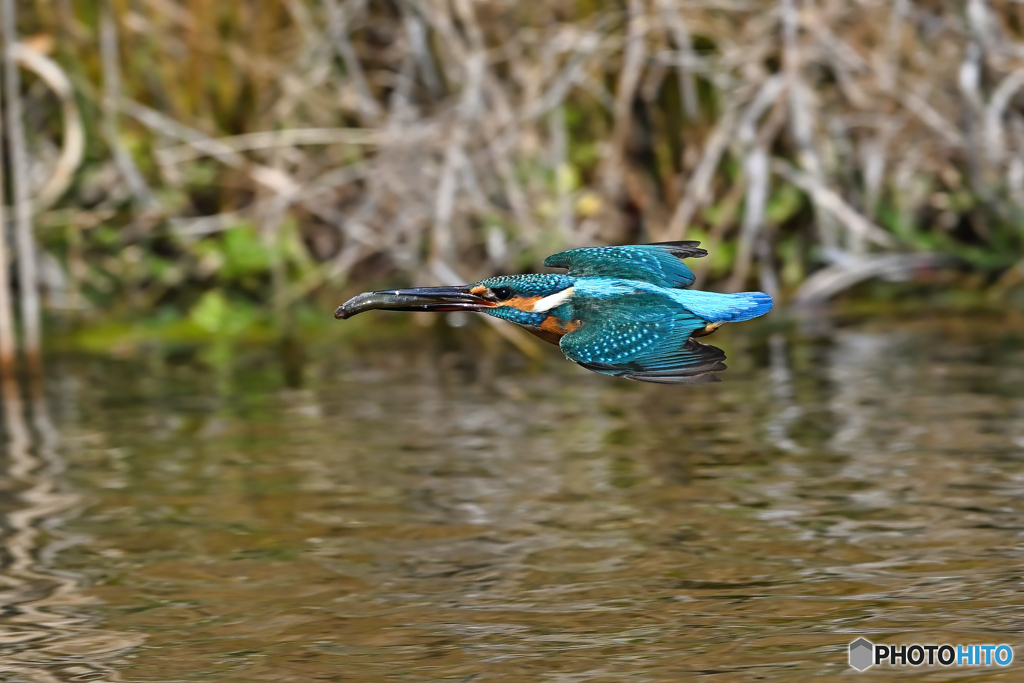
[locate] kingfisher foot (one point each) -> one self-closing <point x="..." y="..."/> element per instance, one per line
<point x="708" y="329"/>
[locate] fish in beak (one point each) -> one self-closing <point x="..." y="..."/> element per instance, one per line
<point x="416" y="299"/>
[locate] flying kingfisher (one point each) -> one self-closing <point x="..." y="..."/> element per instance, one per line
<point x="623" y="311"/>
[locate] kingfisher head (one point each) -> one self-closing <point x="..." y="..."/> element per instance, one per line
<point x="522" y="299"/>
<point x="525" y="299"/>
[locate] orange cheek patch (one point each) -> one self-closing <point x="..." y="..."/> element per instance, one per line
<point x="522" y="303"/>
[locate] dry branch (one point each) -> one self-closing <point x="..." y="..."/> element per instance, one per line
<point x="289" y="137"/>
<point x="834" y="279"/>
<point x="73" y="143"/>
<point x="829" y="201"/>
<point x="698" y="188"/>
<point x="111" y="111"/>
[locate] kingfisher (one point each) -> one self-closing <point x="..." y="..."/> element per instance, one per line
<point x="625" y="311"/>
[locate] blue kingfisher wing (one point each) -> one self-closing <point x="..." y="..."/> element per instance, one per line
<point x="645" y="350"/>
<point x="658" y="264"/>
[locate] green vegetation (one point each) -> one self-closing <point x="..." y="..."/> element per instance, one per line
<point x="242" y="157"/>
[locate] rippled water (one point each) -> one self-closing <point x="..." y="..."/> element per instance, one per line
<point x="436" y="511"/>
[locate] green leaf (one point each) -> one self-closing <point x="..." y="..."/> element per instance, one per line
<point x="785" y="203"/>
<point x="244" y="253"/>
<point x="210" y="312"/>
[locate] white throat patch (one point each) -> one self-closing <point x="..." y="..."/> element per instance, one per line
<point x="553" y="301"/>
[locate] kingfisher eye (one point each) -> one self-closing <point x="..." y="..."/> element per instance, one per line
<point x="502" y="293"/>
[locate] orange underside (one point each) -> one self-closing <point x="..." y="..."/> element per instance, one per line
<point x="551" y="330"/>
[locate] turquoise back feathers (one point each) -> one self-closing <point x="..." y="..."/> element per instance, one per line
<point x="657" y="264"/>
<point x="531" y="284"/>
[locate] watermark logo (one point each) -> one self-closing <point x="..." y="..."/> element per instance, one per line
<point x="864" y="654"/>
<point x="861" y="654"/>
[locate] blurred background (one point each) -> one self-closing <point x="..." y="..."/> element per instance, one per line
<point x="210" y="166"/>
<point x="204" y="476"/>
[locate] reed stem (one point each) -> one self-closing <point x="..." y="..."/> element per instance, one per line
<point x="8" y="343"/>
<point x="18" y="155"/>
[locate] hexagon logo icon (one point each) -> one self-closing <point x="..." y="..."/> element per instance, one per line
<point x="861" y="654"/>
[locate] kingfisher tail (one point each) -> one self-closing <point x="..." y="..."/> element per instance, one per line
<point x="724" y="308"/>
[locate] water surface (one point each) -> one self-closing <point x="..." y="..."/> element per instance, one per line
<point x="445" y="510"/>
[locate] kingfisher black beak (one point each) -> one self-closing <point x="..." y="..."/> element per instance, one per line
<point x="416" y="299"/>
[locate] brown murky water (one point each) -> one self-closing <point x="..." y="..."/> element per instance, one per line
<point x="411" y="514"/>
